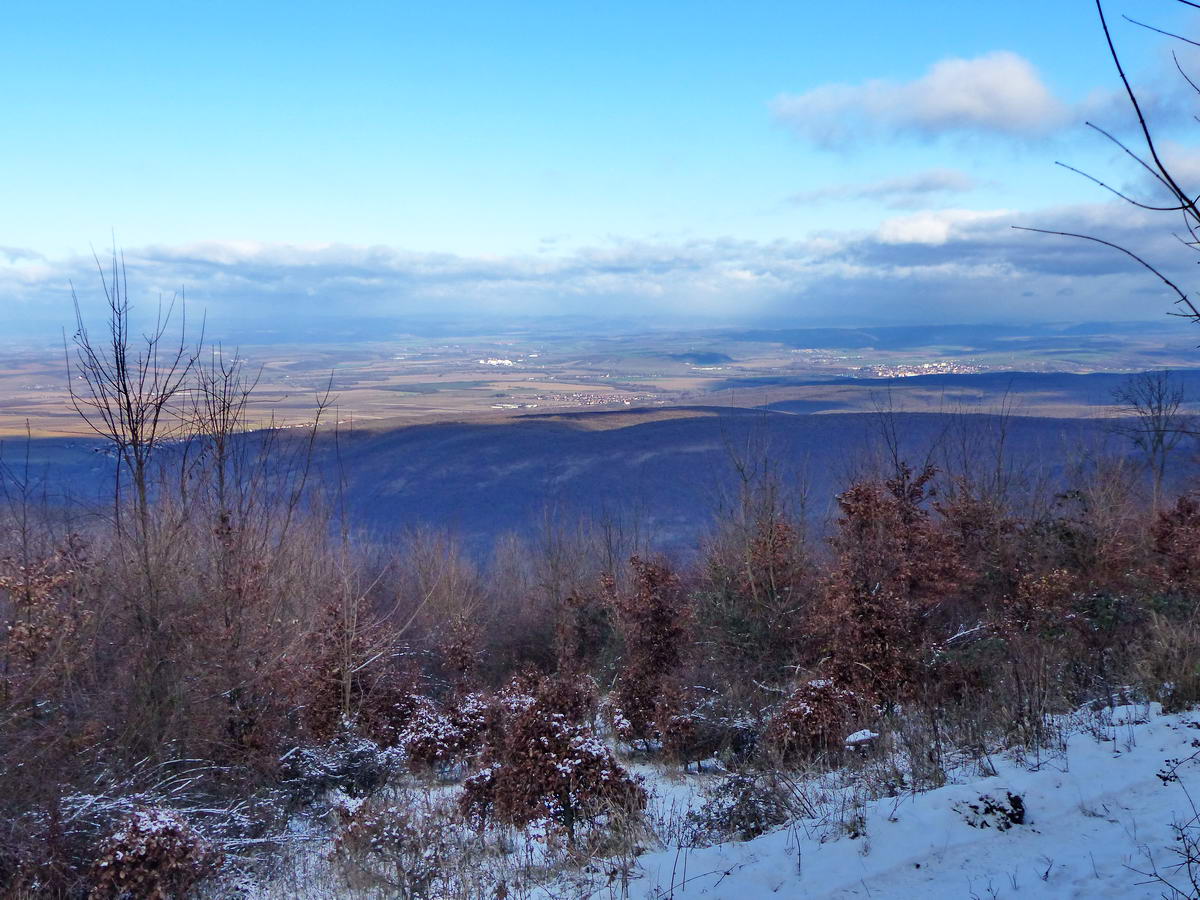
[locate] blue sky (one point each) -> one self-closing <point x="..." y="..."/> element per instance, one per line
<point x="704" y="158"/>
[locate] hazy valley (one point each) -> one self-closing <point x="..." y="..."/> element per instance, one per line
<point x="486" y="436"/>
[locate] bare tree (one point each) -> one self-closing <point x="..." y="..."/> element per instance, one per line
<point x="219" y="401"/>
<point x="124" y="387"/>
<point x="1180" y="200"/>
<point x="1149" y="405"/>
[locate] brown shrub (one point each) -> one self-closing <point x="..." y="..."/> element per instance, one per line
<point x="583" y="629"/>
<point x="355" y="675"/>
<point x="652" y="619"/>
<point x="1176" y="541"/>
<point x="1095" y="530"/>
<point x="815" y="718"/>
<point x="397" y="848"/>
<point x="433" y="738"/>
<point x="154" y="854"/>
<point x="1041" y="603"/>
<point x="893" y="566"/>
<point x="45" y="620"/>
<point x="543" y="765"/>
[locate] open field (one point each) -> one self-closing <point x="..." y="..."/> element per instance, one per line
<point x="410" y="380"/>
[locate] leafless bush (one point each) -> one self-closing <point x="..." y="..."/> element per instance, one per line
<point x="408" y="847"/>
<point x="740" y="807"/>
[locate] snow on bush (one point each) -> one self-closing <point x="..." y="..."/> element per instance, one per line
<point x="740" y="807"/>
<point x="817" y="716"/>
<point x="397" y="847"/>
<point x="545" y="765"/>
<point x="351" y="765"/>
<point x="429" y="736"/>
<point x="434" y="736"/>
<point x="154" y="854"/>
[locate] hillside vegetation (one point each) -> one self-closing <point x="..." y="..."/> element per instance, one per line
<point x="189" y="674"/>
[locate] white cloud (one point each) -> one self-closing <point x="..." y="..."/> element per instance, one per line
<point x="19" y="255"/>
<point x="934" y="227"/>
<point x="998" y="93"/>
<point x="900" y="192"/>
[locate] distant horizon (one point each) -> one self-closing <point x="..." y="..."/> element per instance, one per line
<point x="429" y="326"/>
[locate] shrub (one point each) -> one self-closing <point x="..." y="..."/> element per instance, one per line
<point x="395" y="847"/>
<point x="741" y="807"/>
<point x="431" y="737"/>
<point x="39" y="856"/>
<point x="894" y="564"/>
<point x="652" y="620"/>
<point x="44" y="615"/>
<point x="1167" y="659"/>
<point x="755" y="590"/>
<point x="543" y="766"/>
<point x="571" y="695"/>
<point x="459" y="650"/>
<point x="1041" y="603"/>
<point x="353" y="765"/>
<point x="1176" y="537"/>
<point x="816" y="717"/>
<point x="583" y="630"/>
<point x="154" y="854"/>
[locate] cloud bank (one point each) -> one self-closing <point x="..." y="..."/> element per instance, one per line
<point x="930" y="266"/>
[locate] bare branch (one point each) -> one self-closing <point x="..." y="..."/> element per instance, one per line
<point x="125" y="390"/>
<point x="1137" y="106"/>
<point x="1145" y="165"/>
<point x="1186" y="77"/>
<point x="1183" y="298"/>
<point x="1113" y="190"/>
<point x="1169" y="34"/>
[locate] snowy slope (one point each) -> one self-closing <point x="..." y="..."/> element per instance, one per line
<point x="1095" y="811"/>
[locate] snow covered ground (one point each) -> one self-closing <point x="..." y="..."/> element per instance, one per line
<point x="1096" y="815"/>
<point x="1092" y="817"/>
